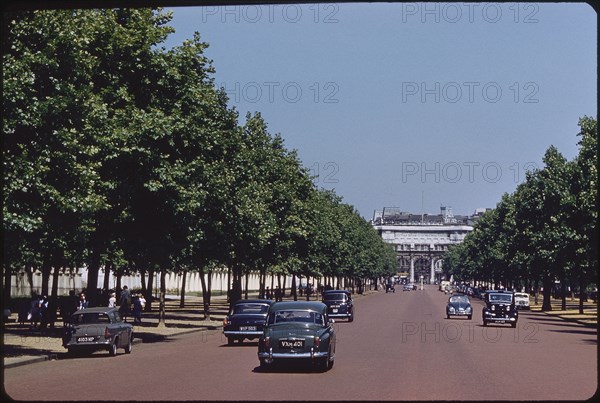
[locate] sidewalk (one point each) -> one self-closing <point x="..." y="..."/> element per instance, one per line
<point x="24" y="346"/>
<point x="589" y="317"/>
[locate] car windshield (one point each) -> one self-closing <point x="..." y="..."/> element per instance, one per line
<point x="459" y="298"/>
<point x="302" y="316"/>
<point x="90" y="318"/>
<point x="335" y="297"/>
<point x="251" y="309"/>
<point x="500" y="297"/>
<point x="522" y="296"/>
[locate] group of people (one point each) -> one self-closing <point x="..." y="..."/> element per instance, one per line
<point x="40" y="309"/>
<point x="277" y="295"/>
<point x="129" y="304"/>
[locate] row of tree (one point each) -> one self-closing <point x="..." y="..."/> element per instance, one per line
<point x="120" y="154"/>
<point x="545" y="231"/>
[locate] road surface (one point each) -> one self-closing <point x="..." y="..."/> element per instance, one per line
<point x="400" y="347"/>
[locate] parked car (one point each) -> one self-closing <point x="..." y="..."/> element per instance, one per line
<point x="101" y="328"/>
<point x="500" y="308"/>
<point x="339" y="304"/>
<point x="408" y="287"/>
<point x="459" y="305"/>
<point x="522" y="300"/>
<point x="246" y="320"/>
<point x="298" y="331"/>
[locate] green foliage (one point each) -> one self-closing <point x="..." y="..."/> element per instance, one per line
<point x="118" y="150"/>
<point x="546" y="229"/>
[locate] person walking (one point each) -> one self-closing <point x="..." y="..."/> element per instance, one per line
<point x="83" y="303"/>
<point x="137" y="309"/>
<point x="112" y="301"/>
<point x="125" y="303"/>
<point x="35" y="314"/>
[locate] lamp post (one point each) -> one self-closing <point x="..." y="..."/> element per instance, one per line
<point x="421" y="282"/>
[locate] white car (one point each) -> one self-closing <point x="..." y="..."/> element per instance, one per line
<point x="522" y="300"/>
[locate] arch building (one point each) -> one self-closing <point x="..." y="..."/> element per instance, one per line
<point x="421" y="240"/>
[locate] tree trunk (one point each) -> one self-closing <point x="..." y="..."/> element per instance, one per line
<point x="563" y="294"/>
<point x="205" y="298"/>
<point x="7" y="286"/>
<point x="294" y="288"/>
<point x="92" y="285"/>
<point x="246" y="285"/>
<point x="148" y="295"/>
<point x="29" y="274"/>
<point x="46" y="270"/>
<point x="582" y="294"/>
<point x="209" y="275"/>
<point x="546" y="304"/>
<point x="143" y="281"/>
<point x="182" y="298"/>
<point x="106" y="284"/>
<point x="119" y="274"/>
<point x="283" y="286"/>
<point x="161" y="304"/>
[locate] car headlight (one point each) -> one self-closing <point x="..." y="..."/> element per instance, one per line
<point x="451" y="309"/>
<point x="468" y="309"/>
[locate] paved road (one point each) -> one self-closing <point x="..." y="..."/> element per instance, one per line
<point x="400" y="347"/>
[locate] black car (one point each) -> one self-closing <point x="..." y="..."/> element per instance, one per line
<point x="99" y="328"/>
<point x="500" y="308"/>
<point x="246" y="320"/>
<point x="339" y="304"/>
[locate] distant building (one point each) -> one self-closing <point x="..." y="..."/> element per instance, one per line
<point x="421" y="240"/>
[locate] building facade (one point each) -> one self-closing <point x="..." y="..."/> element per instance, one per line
<point x="421" y="240"/>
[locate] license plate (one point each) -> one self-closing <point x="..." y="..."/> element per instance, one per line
<point x="334" y="310"/>
<point x="84" y="339"/>
<point x="291" y="343"/>
<point x="247" y="327"/>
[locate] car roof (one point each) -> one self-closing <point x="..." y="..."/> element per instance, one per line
<point x="254" y="301"/>
<point x="337" y="292"/>
<point x="285" y="305"/>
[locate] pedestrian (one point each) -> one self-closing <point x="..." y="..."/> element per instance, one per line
<point x="268" y="294"/>
<point x="68" y="306"/>
<point x="83" y="303"/>
<point x="137" y="309"/>
<point x="112" y="301"/>
<point x="125" y="303"/>
<point x="34" y="315"/>
<point x="142" y="301"/>
<point x="278" y="296"/>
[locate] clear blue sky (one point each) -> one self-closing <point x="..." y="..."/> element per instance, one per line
<point x="409" y="104"/>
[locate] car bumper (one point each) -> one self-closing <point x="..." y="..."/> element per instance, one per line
<point x="244" y="333"/>
<point x="270" y="355"/>
<point x="500" y="319"/>
<point x="460" y="313"/>
<point x="340" y="315"/>
<point x="96" y="345"/>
